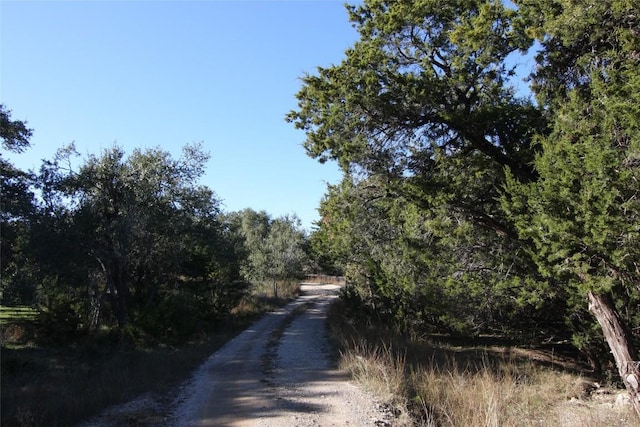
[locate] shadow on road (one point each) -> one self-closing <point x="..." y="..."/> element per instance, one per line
<point x="279" y="368"/>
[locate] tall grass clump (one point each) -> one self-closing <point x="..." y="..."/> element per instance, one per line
<point x="380" y="369"/>
<point x="280" y="292"/>
<point x="435" y="383"/>
<point x="262" y="298"/>
<point x="514" y="394"/>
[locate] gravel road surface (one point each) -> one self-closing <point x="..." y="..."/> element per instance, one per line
<point x="277" y="373"/>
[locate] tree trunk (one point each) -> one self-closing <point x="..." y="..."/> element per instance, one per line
<point x="618" y="338"/>
<point x="119" y="289"/>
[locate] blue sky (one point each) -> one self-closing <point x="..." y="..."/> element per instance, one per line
<point x="167" y="73"/>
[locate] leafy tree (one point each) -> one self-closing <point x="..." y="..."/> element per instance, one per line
<point x="17" y="208"/>
<point x="140" y="238"/>
<point x="429" y="270"/>
<point x="423" y="117"/>
<point x="14" y="134"/>
<point x="583" y="213"/>
<point x="321" y="255"/>
<point x="286" y="250"/>
<point x="427" y="79"/>
<point x="273" y="249"/>
<point x="249" y="230"/>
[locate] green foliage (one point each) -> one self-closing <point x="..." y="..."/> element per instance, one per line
<point x="422" y="117"/>
<point x="273" y="249"/>
<point x="132" y="241"/>
<point x="62" y="320"/>
<point x="14" y="134"/>
<point x="578" y="40"/>
<point x="465" y="207"/>
<point x="425" y="79"/>
<point x="17" y="207"/>
<point x="18" y="272"/>
<point x="583" y="212"/>
<point x="322" y="258"/>
<point x="433" y="270"/>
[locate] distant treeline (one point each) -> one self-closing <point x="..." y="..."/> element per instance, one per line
<point x="132" y="244"/>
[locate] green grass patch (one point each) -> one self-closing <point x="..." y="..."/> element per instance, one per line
<point x="16" y="314"/>
<point x="18" y="326"/>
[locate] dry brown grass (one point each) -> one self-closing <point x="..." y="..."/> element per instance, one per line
<point x="438" y="384"/>
<point x="512" y="395"/>
<point x="379" y="369"/>
<point x="286" y="290"/>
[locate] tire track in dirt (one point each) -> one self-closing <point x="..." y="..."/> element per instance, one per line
<point x="277" y="373"/>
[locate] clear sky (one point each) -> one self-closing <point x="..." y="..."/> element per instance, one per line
<point x="167" y="73"/>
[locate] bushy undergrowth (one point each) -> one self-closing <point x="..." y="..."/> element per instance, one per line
<point x="61" y="385"/>
<point x="435" y="383"/>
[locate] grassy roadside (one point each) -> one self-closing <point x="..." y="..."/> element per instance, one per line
<point x="440" y="383"/>
<point x="62" y="386"/>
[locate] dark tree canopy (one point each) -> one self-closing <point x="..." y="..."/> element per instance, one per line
<point x="130" y="242"/>
<point x="461" y="191"/>
<point x="426" y="79"/>
<point x="14" y="133"/>
<point x="17" y="206"/>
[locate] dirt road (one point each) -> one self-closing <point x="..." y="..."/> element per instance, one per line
<point x="277" y="373"/>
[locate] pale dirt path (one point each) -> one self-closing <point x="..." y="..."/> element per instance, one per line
<point x="278" y="373"/>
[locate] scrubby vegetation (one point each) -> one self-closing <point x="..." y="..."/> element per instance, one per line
<point x="490" y="155"/>
<point x="60" y="385"/>
<point x="485" y="381"/>
<point x="120" y="273"/>
<point x="469" y="207"/>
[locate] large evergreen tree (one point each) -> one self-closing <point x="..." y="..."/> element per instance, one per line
<point x="582" y="214"/>
<point x="423" y="117"/>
